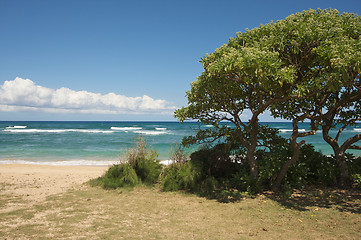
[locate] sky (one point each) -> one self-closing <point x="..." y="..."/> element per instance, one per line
<point x="115" y="60"/>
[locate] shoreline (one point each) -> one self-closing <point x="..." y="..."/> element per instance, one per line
<point x="63" y="162"/>
<point x="70" y="162"/>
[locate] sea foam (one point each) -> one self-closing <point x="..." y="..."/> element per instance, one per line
<point x="151" y="132"/>
<point x="16" y="127"/>
<point x="291" y="130"/>
<point x="75" y="162"/>
<point x="126" y="128"/>
<point x="57" y="130"/>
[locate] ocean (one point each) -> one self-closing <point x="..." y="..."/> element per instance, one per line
<point x="104" y="143"/>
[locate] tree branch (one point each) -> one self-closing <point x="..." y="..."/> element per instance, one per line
<point x="347" y="144"/>
<point x="354" y="147"/>
<point x="340" y="131"/>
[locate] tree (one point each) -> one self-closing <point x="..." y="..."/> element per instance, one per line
<point x="291" y="68"/>
<point x="325" y="48"/>
<point x="235" y="80"/>
<point x="342" y="106"/>
<point x="344" y="116"/>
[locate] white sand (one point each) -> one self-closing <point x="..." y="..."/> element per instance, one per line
<point x="36" y="182"/>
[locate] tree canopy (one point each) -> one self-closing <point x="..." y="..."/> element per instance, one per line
<point x="305" y="67"/>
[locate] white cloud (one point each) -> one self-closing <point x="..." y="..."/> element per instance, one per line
<point x="24" y="95"/>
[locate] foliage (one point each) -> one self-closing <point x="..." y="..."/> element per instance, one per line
<point x="297" y="68"/>
<point x="354" y="164"/>
<point x="117" y="176"/>
<point x="216" y="161"/>
<point x="312" y="168"/>
<point x="140" y="166"/>
<point x="180" y="176"/>
<point x="177" y="153"/>
<point x="319" y="169"/>
<point x="144" y="162"/>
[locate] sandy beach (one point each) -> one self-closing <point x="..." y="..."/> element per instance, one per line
<point x="51" y="202"/>
<point x="36" y="182"/>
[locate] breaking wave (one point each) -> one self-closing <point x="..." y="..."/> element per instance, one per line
<point x="57" y="130"/>
<point x="16" y="127"/>
<point x="151" y="132"/>
<point x="126" y="128"/>
<point x="291" y="130"/>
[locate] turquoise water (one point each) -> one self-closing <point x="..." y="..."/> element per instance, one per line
<point x="102" y="143"/>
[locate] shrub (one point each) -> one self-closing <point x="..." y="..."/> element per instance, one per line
<point x="316" y="167"/>
<point x="177" y="153"/>
<point x="356" y="180"/>
<point x="354" y="167"/>
<point x="140" y="166"/>
<point x="312" y="168"/>
<point x="216" y="161"/>
<point x="244" y="182"/>
<point x="180" y="176"/>
<point x="121" y="175"/>
<point x="144" y="162"/>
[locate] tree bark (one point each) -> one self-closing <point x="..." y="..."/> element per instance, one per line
<point x="296" y="155"/>
<point x="296" y="151"/>
<point x="252" y="149"/>
<point x="344" y="180"/>
<point x="252" y="162"/>
<point x="339" y="154"/>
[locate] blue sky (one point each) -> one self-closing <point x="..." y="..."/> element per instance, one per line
<point x="118" y="60"/>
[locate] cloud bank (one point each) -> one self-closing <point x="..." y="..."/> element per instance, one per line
<point x="24" y="95"/>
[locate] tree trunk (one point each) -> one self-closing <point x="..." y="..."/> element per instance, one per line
<point x="252" y="163"/>
<point x="252" y="149"/>
<point x="296" y="151"/>
<point x="296" y="155"/>
<point x="339" y="151"/>
<point x="344" y="180"/>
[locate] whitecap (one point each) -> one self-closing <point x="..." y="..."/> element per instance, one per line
<point x="151" y="132"/>
<point x="56" y="130"/>
<point x="126" y="128"/>
<point x="357" y="129"/>
<point x="167" y="162"/>
<point x="291" y="130"/>
<point x="160" y="129"/>
<point x="285" y="130"/>
<point x="16" y="127"/>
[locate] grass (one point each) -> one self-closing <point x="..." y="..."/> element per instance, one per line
<point x="147" y="213"/>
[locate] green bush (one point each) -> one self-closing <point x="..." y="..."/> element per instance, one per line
<point x="215" y="161"/>
<point x="315" y="167"/>
<point x="243" y="181"/>
<point x="121" y="175"/>
<point x="312" y="167"/>
<point x="356" y="180"/>
<point x="144" y="162"/>
<point x="180" y="176"/>
<point x="169" y="179"/>
<point x="140" y="166"/>
<point x="354" y="167"/>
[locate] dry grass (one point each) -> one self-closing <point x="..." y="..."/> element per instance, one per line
<point x="143" y="213"/>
